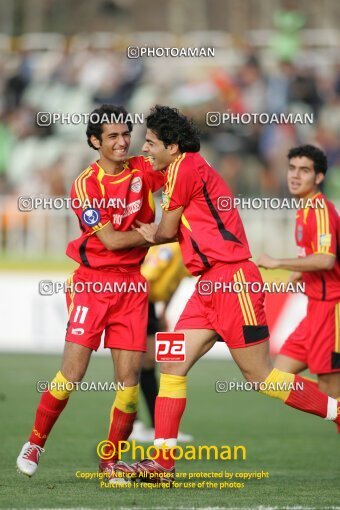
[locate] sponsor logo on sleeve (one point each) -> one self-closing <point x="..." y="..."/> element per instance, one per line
<point x="91" y="217"/>
<point x="325" y="240"/>
<point x="165" y="200"/>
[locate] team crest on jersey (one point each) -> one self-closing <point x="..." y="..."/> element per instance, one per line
<point x="299" y="232"/>
<point x="325" y="240"/>
<point x="91" y="217"/>
<point x="136" y="184"/>
<point x="165" y="199"/>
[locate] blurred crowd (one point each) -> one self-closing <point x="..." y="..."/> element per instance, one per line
<point x="251" y="157"/>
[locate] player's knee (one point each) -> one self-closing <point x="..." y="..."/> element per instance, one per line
<point x="73" y="374"/>
<point x="127" y="378"/>
<point x="173" y="369"/>
<point x="257" y="374"/>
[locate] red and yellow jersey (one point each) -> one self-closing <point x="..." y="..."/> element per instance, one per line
<point x="99" y="198"/>
<point x="317" y="230"/>
<point x="164" y="269"/>
<point x="208" y="233"/>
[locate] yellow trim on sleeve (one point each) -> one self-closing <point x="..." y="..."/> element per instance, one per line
<point x="172" y="175"/>
<point x="99" y="226"/>
<point x="100" y="177"/>
<point x="77" y="183"/>
<point x="151" y="201"/>
<point x="186" y="223"/>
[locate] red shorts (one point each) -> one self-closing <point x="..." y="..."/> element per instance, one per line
<point x="238" y="317"/>
<point x="120" y="309"/>
<point x="316" y="340"/>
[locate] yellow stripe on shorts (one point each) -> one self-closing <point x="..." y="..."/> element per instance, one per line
<point x="337" y="327"/>
<point x="245" y="301"/>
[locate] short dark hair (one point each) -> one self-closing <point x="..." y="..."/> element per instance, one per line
<point x="171" y="126"/>
<point x="103" y="115"/>
<point x="316" y="155"/>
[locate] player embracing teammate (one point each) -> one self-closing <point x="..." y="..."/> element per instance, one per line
<point x="214" y="246"/>
<point x="108" y="197"/>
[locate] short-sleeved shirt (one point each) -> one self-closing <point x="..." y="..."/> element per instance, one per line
<point x="208" y="232"/>
<point x="317" y="230"/>
<point x="99" y="198"/>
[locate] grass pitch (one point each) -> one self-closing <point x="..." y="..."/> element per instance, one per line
<point x="300" y="452"/>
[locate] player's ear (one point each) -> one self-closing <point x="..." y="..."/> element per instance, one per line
<point x="95" y="142"/>
<point x="173" y="148"/>
<point x="319" y="178"/>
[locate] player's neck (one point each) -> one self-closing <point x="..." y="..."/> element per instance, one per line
<point x="310" y="195"/>
<point x="174" y="158"/>
<point x="110" y="167"/>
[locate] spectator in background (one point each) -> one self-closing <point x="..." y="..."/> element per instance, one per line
<point x="288" y="21"/>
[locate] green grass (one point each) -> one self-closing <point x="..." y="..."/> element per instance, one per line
<point x="300" y="452"/>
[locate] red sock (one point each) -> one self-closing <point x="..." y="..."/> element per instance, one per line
<point x="309" y="399"/>
<point x="48" y="410"/>
<point x="120" y="429"/>
<point x="337" y="419"/>
<point x="168" y="414"/>
<point x="315" y="384"/>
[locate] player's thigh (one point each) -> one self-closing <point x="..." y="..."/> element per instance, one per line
<point x="127" y="366"/>
<point x="253" y="361"/>
<point x="75" y="361"/>
<point x="330" y="384"/>
<point x="197" y="343"/>
<point x="287" y="364"/>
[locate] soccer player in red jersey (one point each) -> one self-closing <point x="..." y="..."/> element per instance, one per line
<point x="108" y="197"/>
<point x="315" y="343"/>
<point x="214" y="246"/>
